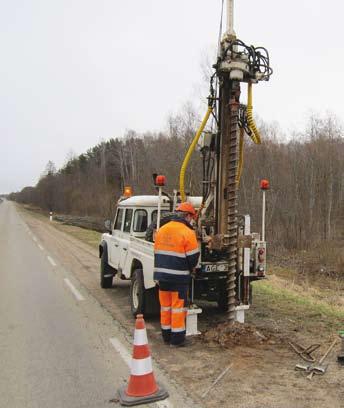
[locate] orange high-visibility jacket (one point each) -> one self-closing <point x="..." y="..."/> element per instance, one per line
<point x="176" y="252"/>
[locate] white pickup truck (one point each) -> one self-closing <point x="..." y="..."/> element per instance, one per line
<point x="124" y="251"/>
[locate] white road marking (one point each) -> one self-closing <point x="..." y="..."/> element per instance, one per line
<point x="164" y="404"/>
<point x="50" y="259"/>
<point x="40" y="247"/>
<point x="123" y="352"/>
<point x="75" y="291"/>
<point x="34" y="238"/>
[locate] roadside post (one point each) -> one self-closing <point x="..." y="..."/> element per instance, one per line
<point x="160" y="182"/>
<point x="340" y="357"/>
<point x="264" y="186"/>
<point x="50" y="216"/>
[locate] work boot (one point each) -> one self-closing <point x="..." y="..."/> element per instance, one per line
<point x="166" y="338"/>
<point x="185" y="343"/>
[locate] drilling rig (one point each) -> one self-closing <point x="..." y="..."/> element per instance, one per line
<point x="231" y="256"/>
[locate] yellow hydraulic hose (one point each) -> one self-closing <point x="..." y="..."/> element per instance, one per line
<point x="241" y="156"/>
<point x="255" y="136"/>
<point x="189" y="153"/>
<point x="255" y="133"/>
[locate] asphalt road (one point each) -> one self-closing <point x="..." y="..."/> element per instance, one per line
<point x="55" y="348"/>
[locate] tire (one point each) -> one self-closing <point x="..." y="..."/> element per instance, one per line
<point x="137" y="293"/>
<point x="106" y="272"/>
<point x="152" y="304"/>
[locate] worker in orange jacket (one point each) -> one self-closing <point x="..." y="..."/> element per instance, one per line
<point x="176" y="255"/>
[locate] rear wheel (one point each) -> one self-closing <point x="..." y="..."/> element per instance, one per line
<point x="137" y="293"/>
<point x="106" y="273"/>
<point x="152" y="304"/>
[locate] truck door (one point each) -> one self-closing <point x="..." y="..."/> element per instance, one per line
<point x="125" y="237"/>
<point x="114" y="250"/>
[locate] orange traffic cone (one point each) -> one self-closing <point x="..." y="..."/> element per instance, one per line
<point x="142" y="387"/>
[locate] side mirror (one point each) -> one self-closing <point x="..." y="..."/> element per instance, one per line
<point x="107" y="225"/>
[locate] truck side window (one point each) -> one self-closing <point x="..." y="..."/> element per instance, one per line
<point x="140" y="221"/>
<point x="119" y="218"/>
<point x="155" y="214"/>
<point x="127" y="220"/>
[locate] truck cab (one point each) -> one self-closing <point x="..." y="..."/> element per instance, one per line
<point x="125" y="252"/>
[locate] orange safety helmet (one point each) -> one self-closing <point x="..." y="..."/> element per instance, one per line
<point x="186" y="207"/>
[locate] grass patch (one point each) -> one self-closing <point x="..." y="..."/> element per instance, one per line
<point x="89" y="237"/>
<point x="285" y="303"/>
<point x="35" y="211"/>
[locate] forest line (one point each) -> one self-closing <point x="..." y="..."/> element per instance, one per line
<point x="306" y="173"/>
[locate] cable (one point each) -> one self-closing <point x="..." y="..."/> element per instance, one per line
<point x="243" y="122"/>
<point x="258" y="58"/>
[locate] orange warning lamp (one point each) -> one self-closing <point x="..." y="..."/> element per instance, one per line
<point x="264" y="184"/>
<point x="160" y="180"/>
<point x="128" y="192"/>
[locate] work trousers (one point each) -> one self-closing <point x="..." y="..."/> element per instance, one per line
<point x="173" y="300"/>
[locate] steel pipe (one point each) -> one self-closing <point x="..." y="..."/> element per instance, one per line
<point x="230" y="17"/>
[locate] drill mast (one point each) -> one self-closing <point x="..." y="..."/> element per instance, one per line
<point x="229" y="252"/>
<point x="236" y="64"/>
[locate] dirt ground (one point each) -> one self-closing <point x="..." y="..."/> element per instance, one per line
<point x="261" y="363"/>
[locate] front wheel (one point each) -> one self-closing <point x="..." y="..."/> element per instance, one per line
<point x="137" y="293"/>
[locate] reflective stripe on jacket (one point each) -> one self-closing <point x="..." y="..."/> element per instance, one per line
<point x="176" y="252"/>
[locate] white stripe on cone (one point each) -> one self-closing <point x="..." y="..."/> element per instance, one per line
<point x="140" y="337"/>
<point x="142" y="366"/>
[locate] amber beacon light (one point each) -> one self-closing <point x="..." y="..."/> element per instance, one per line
<point x="128" y="192"/>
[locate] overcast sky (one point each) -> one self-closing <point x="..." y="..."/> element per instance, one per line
<point x="73" y="72"/>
